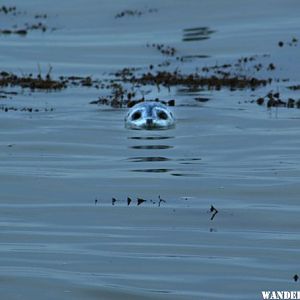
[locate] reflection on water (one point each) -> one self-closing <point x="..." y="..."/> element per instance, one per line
<point x="188" y="58"/>
<point x="188" y="161"/>
<point x="153" y="170"/>
<point x="197" y="93"/>
<point x="202" y="99"/>
<point x="190" y="90"/>
<point x="148" y="159"/>
<point x="143" y="138"/>
<point x="196" y="34"/>
<point x="159" y="162"/>
<point x="150" y="137"/>
<point x="186" y="174"/>
<point x="151" y="147"/>
<point x="165" y="163"/>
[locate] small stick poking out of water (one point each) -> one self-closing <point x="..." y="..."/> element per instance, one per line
<point x="128" y="201"/>
<point x="96" y="201"/>
<point x="161" y="200"/>
<point x="214" y="212"/>
<point x="140" y="201"/>
<point x="296" y="277"/>
<point x="113" y="201"/>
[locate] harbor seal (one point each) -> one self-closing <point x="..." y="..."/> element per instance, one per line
<point x="149" y="115"/>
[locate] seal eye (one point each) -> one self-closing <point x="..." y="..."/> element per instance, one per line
<point x="137" y="115"/>
<point x="162" y="115"/>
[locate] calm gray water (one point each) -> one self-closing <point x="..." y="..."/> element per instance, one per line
<point x="240" y="157"/>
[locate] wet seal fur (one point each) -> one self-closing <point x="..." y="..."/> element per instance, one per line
<point x="149" y="115"/>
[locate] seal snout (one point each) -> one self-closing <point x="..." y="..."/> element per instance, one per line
<point x="149" y="122"/>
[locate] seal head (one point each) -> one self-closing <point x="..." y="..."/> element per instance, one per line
<point x="150" y="116"/>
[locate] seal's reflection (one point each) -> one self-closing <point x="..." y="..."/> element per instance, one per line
<point x="147" y="143"/>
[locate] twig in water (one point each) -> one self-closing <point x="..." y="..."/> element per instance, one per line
<point x="296" y="277"/>
<point x="140" y="201"/>
<point x="161" y="200"/>
<point x="214" y="212"/>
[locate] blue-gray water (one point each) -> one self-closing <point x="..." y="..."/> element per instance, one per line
<point x="227" y="152"/>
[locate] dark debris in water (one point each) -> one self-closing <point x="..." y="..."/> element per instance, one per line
<point x="8" y="10"/>
<point x="83" y="81"/>
<point x="28" y="26"/>
<point x="294" y="87"/>
<point x="113" y="201"/>
<point x="161" y="201"/>
<point x="129" y="200"/>
<point x="5" y="108"/>
<point x="135" y="12"/>
<point x="214" y="211"/>
<point x="291" y="43"/>
<point x="275" y="100"/>
<point x="140" y="201"/>
<point x="242" y="66"/>
<point x="41" y="16"/>
<point x="118" y="97"/>
<point x="9" y="31"/>
<point x="163" y="49"/>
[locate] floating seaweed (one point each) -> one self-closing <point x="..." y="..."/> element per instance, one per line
<point x="8" y="10"/>
<point x="163" y="49"/>
<point x="6" y="108"/>
<point x="274" y="100"/>
<point x="31" y="82"/>
<point x="167" y="79"/>
<point x="134" y="13"/>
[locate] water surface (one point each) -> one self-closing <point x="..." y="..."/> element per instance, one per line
<point x="56" y="243"/>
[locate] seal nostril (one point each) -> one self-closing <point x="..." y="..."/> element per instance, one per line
<point x="137" y="115"/>
<point x="162" y="115"/>
<point x="149" y="121"/>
